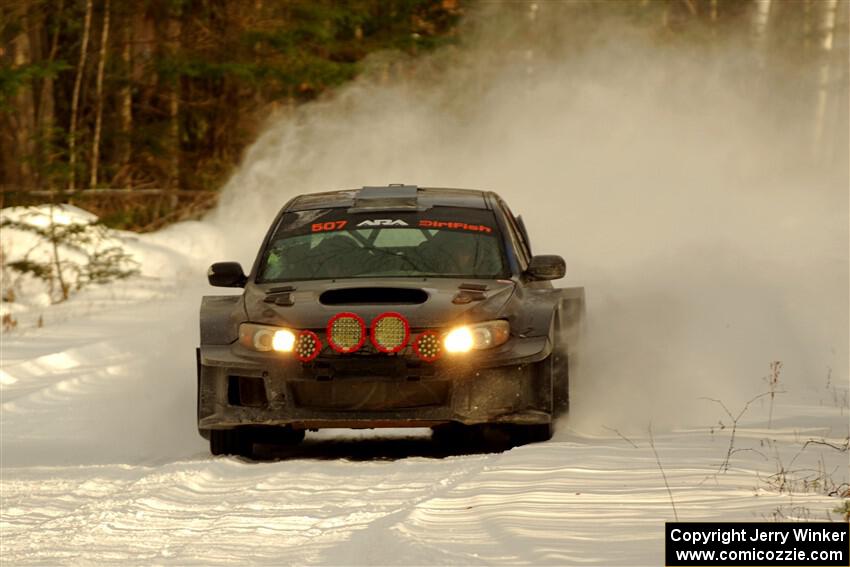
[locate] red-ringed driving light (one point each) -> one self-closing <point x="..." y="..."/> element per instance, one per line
<point x="346" y="332"/>
<point x="427" y="346"/>
<point x="389" y="332"/>
<point x="308" y="346"/>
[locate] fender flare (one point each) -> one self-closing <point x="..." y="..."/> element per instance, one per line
<point x="220" y="316"/>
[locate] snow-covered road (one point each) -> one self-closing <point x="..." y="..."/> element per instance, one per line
<point x="101" y="462"/>
<point x="683" y="198"/>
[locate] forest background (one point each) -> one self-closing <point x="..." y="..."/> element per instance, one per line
<point x="139" y="111"/>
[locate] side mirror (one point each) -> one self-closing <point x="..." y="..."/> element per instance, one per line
<point x="226" y="274"/>
<point x="547" y="267"/>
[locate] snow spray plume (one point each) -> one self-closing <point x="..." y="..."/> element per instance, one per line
<point x="677" y="180"/>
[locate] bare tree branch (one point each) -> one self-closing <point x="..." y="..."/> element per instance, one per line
<point x="663" y="474"/>
<point x="623" y="437"/>
<point x="724" y="466"/>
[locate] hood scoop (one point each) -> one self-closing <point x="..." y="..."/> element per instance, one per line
<point x="374" y="295"/>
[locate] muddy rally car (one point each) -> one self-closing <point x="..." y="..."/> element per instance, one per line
<point x="396" y="306"/>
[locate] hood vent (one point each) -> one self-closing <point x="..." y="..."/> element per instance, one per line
<point x="469" y="292"/>
<point x="374" y="295"/>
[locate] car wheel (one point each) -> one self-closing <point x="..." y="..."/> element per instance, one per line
<point x="275" y="437"/>
<point x="280" y="435"/>
<point x="231" y="442"/>
<point x="452" y="434"/>
<point x="483" y="436"/>
<point x="536" y="433"/>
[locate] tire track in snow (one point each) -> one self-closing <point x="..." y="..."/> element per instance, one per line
<point x="590" y="501"/>
<point x="216" y="508"/>
<point x="361" y="543"/>
<point x="127" y="397"/>
<point x="562" y="503"/>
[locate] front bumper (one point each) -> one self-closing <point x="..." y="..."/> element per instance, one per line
<point x="508" y="384"/>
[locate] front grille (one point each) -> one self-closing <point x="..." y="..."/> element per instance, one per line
<point x="376" y="366"/>
<point x="370" y="396"/>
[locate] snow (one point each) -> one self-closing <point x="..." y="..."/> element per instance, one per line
<point x="101" y="461"/>
<point x="709" y="247"/>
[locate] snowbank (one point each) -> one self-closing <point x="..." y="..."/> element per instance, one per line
<point x="155" y="262"/>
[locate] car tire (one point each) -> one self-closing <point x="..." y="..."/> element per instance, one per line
<point x="231" y="442"/>
<point x="292" y="436"/>
<point x="278" y="435"/>
<point x="536" y="433"/>
<point x="454" y="435"/>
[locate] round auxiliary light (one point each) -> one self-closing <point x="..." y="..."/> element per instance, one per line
<point x="427" y="346"/>
<point x="346" y="332"/>
<point x="308" y="346"/>
<point x="390" y="332"/>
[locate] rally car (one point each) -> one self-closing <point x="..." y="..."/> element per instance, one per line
<point x="396" y="306"/>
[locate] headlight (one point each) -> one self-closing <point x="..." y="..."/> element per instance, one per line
<point x="265" y="338"/>
<point x="478" y="336"/>
<point x="458" y="340"/>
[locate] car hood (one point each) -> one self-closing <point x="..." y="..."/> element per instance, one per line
<point x="445" y="301"/>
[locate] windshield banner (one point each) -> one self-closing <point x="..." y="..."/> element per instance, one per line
<point x="437" y="218"/>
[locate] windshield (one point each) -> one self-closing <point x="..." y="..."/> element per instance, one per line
<point x="333" y="243"/>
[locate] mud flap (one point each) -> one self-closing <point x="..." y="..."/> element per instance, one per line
<point x="573" y="320"/>
<point x="205" y="433"/>
<point x="568" y="335"/>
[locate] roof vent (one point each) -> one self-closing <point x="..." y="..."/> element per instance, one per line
<point x="391" y="197"/>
